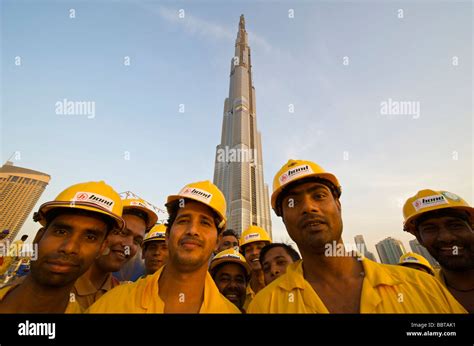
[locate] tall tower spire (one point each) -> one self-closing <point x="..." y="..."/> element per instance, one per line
<point x="238" y="170"/>
<point x="242" y="23"/>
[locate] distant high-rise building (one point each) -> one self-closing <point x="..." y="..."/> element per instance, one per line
<point x="238" y="170"/>
<point x="360" y="243"/>
<point x="421" y="250"/>
<point x="20" y="189"/>
<point x="390" y="250"/>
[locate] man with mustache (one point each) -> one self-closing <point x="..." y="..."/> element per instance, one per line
<point x="123" y="245"/>
<point x="442" y="222"/>
<point x="231" y="273"/>
<point x="252" y="241"/>
<point x="307" y="199"/>
<point x="155" y="249"/>
<point x="75" y="226"/>
<point x="183" y="284"/>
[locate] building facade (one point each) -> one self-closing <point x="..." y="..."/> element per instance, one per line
<point x="416" y="247"/>
<point x="390" y="250"/>
<point x="362" y="246"/>
<point x="238" y="169"/>
<point x="20" y="189"/>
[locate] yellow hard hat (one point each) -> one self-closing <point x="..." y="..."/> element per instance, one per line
<point x="411" y="257"/>
<point x="253" y="234"/>
<point x="295" y="170"/>
<point x="206" y="193"/>
<point x="140" y="204"/>
<point x="157" y="233"/>
<point x="429" y="200"/>
<point x="95" y="196"/>
<point x="231" y="255"/>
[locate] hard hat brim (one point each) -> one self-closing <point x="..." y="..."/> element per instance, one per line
<point x="255" y="241"/>
<point x="421" y="264"/>
<point x="174" y="198"/>
<point x="49" y="206"/>
<point x="409" y="225"/>
<point x="152" y="217"/>
<point x="219" y="261"/>
<point x="149" y="240"/>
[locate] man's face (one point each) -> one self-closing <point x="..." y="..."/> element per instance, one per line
<point x="252" y="254"/>
<point x="123" y="244"/>
<point x="155" y="255"/>
<point x="67" y="248"/>
<point x="192" y="237"/>
<point x="274" y="263"/>
<point x="231" y="281"/>
<point x="312" y="217"/>
<point x="227" y="242"/>
<point x="450" y="240"/>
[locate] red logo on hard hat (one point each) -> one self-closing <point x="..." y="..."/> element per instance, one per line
<point x="284" y="177"/>
<point x="82" y="196"/>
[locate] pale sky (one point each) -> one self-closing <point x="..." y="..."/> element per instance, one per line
<point x="336" y="62"/>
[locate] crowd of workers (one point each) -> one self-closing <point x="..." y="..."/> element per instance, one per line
<point x="193" y="264"/>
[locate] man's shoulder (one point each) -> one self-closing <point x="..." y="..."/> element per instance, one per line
<point x="279" y="287"/>
<point x="416" y="281"/>
<point x="405" y="275"/>
<point x="119" y="298"/>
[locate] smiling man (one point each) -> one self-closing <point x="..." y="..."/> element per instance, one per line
<point x="307" y="199"/>
<point x="231" y="273"/>
<point x="123" y="245"/>
<point x="252" y="241"/>
<point x="183" y="284"/>
<point x="442" y="222"/>
<point x="75" y="226"/>
<point x="155" y="249"/>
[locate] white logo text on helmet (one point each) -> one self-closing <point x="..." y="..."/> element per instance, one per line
<point x="196" y="193"/>
<point x="429" y="201"/>
<point x="252" y="236"/>
<point x="410" y="260"/>
<point x="94" y="198"/>
<point x="295" y="172"/>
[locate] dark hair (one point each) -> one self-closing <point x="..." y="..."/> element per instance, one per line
<point x="138" y="213"/>
<point x="334" y="190"/>
<point x="295" y="256"/>
<point x="24" y="237"/>
<point x="173" y="208"/>
<point x="51" y="215"/>
<point x="230" y="232"/>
